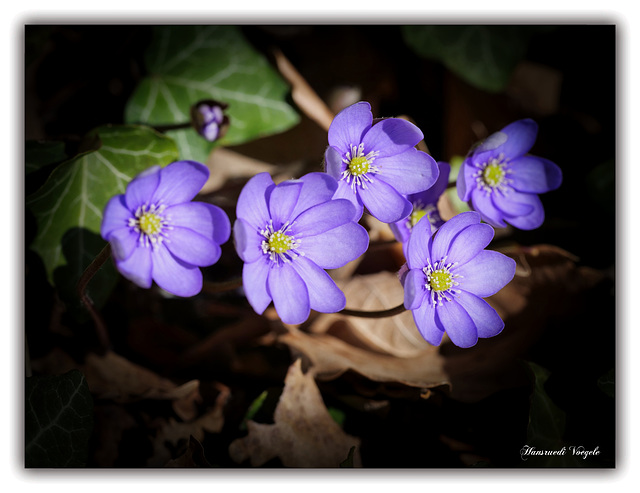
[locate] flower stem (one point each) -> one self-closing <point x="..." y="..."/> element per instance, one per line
<point x="176" y="126"/>
<point x="219" y="287"/>
<point x="451" y="185"/>
<point x="81" y="287"/>
<point x="390" y="312"/>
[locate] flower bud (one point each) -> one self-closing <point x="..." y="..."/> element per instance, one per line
<point x="209" y="120"/>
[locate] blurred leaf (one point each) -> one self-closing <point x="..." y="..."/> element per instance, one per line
<point x="76" y="192"/>
<point x="58" y="420"/>
<point x="190" y="63"/>
<point x="337" y="415"/>
<point x="607" y="383"/>
<point x="303" y="433"/>
<point x="253" y="409"/>
<point x="348" y="462"/>
<point x="451" y="194"/>
<point x="484" y="56"/>
<point x="192" y="457"/>
<point x="601" y="185"/>
<point x="38" y="154"/>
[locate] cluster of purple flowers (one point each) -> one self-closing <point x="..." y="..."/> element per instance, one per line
<point x="288" y="234"/>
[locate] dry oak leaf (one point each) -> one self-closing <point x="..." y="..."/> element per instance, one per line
<point x="303" y="433"/>
<point x="397" y="335"/>
<point x="331" y="357"/>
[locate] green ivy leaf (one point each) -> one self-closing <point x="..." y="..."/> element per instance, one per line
<point x="484" y="56"/>
<point x="58" y="420"/>
<point x="190" y="63"/>
<point x="68" y="207"/>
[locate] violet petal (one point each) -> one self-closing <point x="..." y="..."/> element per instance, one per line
<point x="174" y="275"/>
<point x="289" y="293"/>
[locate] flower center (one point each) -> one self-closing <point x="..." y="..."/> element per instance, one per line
<point x="278" y="244"/>
<point x="151" y="224"/>
<point x="419" y="211"/>
<point x="493" y="175"/>
<point x="415" y="216"/>
<point x="359" y="166"/>
<point x="441" y="281"/>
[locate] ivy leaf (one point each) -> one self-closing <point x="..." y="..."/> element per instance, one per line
<point x="484" y="56"/>
<point x="68" y="207"/>
<point x="58" y="420"/>
<point x="190" y="63"/>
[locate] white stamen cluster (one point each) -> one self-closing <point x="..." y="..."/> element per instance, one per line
<point x="440" y="281"/>
<point x="151" y="224"/>
<point x="492" y="175"/>
<point x="278" y="244"/>
<point x="359" y="167"/>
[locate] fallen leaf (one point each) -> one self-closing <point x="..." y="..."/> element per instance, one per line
<point x="303" y="433"/>
<point x="192" y="457"/>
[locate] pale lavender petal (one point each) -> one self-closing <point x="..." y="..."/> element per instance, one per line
<point x="137" y="267"/>
<point x="180" y="182"/>
<point x="469" y="242"/>
<point x="316" y="188"/>
<point x="384" y="202"/>
<point x="427" y="323"/>
<point x="409" y="172"/>
<point x="123" y="241"/>
<point x="511" y="203"/>
<point x="420" y="243"/>
<point x="400" y="230"/>
<point x="391" y="136"/>
<point x="141" y="189"/>
<point x="521" y="135"/>
<point x="534" y="174"/>
<point x="174" y="275"/>
<point x="486" y="319"/>
<point x="116" y="215"/>
<point x="344" y="191"/>
<point x="481" y="202"/>
<point x="324" y="295"/>
<point x="247" y="241"/>
<point x="323" y="217"/>
<point x="486" y="274"/>
<point x="491" y="143"/>
<point x="448" y="231"/>
<point x="414" y="289"/>
<point x="432" y="194"/>
<point x="348" y="126"/>
<point x="532" y="220"/>
<point x="457" y="323"/>
<point x="466" y="181"/>
<point x="336" y="247"/>
<point x="192" y="248"/>
<point x="334" y="165"/>
<point x="206" y="219"/>
<point x="289" y="293"/>
<point x="252" y="201"/>
<point x="282" y="201"/>
<point x="254" y="283"/>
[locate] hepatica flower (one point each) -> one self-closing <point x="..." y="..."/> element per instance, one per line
<point x="425" y="204"/>
<point x="377" y="165"/>
<point x="157" y="234"/>
<point x="502" y="181"/>
<point x="449" y="272"/>
<point x="287" y="235"/>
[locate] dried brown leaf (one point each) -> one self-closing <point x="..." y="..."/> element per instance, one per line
<point x="303" y="433"/>
<point x="397" y="336"/>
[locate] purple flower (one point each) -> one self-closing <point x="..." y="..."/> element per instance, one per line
<point x="287" y="235"/>
<point x="376" y="166"/>
<point x="157" y="233"/>
<point x="448" y="274"/>
<point x="502" y="181"/>
<point x="424" y="204"/>
<point x="208" y="119"/>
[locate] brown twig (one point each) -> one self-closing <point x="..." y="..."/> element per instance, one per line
<point x="303" y="94"/>
<point x="81" y="287"/>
